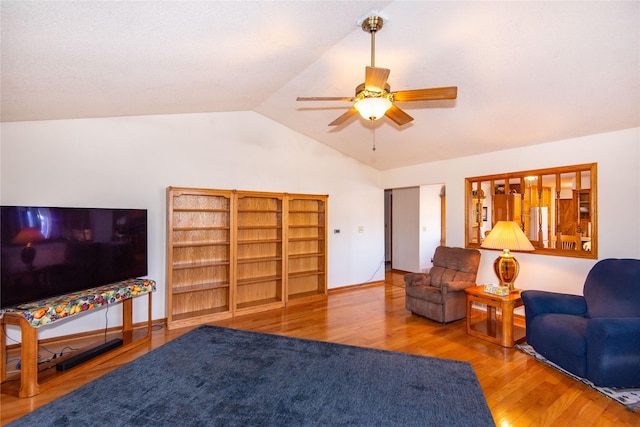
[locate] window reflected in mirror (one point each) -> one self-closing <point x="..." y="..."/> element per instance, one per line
<point x="555" y="208"/>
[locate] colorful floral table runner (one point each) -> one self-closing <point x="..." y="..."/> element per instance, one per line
<point x="48" y="310"/>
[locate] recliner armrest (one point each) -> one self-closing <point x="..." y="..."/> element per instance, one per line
<point x="417" y="279"/>
<point x="540" y="302"/>
<point x="457" y="286"/>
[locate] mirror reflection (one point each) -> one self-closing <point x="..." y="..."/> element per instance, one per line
<point x="555" y="208"/>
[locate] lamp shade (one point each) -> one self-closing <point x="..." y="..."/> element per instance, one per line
<point x="507" y="235"/>
<point x="28" y="235"/>
<point x="372" y="108"/>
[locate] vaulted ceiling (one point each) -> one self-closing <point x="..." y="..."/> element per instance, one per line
<point x="526" y="72"/>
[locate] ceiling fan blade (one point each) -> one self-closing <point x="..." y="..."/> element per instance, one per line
<point x="343" y="118"/>
<point x="432" y="94"/>
<point x="324" y="98"/>
<point x="376" y="78"/>
<point x="398" y="116"/>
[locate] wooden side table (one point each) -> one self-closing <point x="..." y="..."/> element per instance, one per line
<point x="31" y="316"/>
<point x="499" y="331"/>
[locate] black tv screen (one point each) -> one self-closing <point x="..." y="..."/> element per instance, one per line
<point x="49" y="251"/>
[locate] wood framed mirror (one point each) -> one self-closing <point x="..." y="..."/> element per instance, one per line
<point x="556" y="208"/>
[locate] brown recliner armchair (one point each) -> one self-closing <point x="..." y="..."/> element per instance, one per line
<point x="439" y="294"/>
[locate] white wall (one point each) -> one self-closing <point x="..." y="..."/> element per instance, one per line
<point x="618" y="157"/>
<point x="129" y="162"/>
<point x="406" y="229"/>
<point x="430" y="222"/>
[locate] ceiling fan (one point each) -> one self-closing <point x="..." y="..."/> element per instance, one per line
<point x="374" y="98"/>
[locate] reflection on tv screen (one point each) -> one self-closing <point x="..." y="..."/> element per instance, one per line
<point x="48" y="251"/>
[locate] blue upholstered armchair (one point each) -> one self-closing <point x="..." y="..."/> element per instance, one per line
<point x="595" y="336"/>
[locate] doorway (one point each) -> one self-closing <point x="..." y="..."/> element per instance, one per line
<point x="414" y="224"/>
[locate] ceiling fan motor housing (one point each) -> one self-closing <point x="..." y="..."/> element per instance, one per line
<point x="362" y="92"/>
<point x="372" y="24"/>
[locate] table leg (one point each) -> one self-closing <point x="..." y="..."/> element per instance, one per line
<point x="3" y="351"/>
<point x="507" y="325"/>
<point x="469" y="308"/>
<point x="28" y="360"/>
<point x="127" y="319"/>
<point x="149" y="316"/>
<point x="491" y="320"/>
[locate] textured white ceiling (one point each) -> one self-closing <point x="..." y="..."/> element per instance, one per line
<point x="527" y="72"/>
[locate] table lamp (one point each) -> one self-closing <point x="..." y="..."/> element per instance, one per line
<point x="508" y="236"/>
<point x="27" y="237"/>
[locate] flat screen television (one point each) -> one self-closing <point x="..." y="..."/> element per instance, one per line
<point x="49" y="251"/>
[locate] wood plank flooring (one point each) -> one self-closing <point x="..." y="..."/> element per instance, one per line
<point x="520" y="391"/>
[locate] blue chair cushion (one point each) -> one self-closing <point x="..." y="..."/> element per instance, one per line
<point x="561" y="339"/>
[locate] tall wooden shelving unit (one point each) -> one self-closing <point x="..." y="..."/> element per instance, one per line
<point x="306" y="246"/>
<point x="238" y="252"/>
<point x="260" y="284"/>
<point x="199" y="257"/>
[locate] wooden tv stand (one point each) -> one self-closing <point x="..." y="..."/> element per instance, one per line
<point x="29" y="317"/>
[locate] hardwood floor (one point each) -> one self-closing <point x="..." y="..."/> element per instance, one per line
<point x="519" y="390"/>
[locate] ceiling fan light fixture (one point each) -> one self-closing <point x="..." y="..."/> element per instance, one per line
<point x="374" y="99"/>
<point x="372" y="108"/>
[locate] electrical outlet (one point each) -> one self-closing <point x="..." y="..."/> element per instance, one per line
<point x="361" y="229"/>
<point x="336" y="231"/>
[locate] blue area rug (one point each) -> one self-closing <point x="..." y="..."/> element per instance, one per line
<point x="215" y="376"/>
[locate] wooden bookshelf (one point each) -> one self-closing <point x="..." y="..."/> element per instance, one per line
<point x="306" y="247"/>
<point x="199" y="263"/>
<point x="238" y="252"/>
<point x="260" y="282"/>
